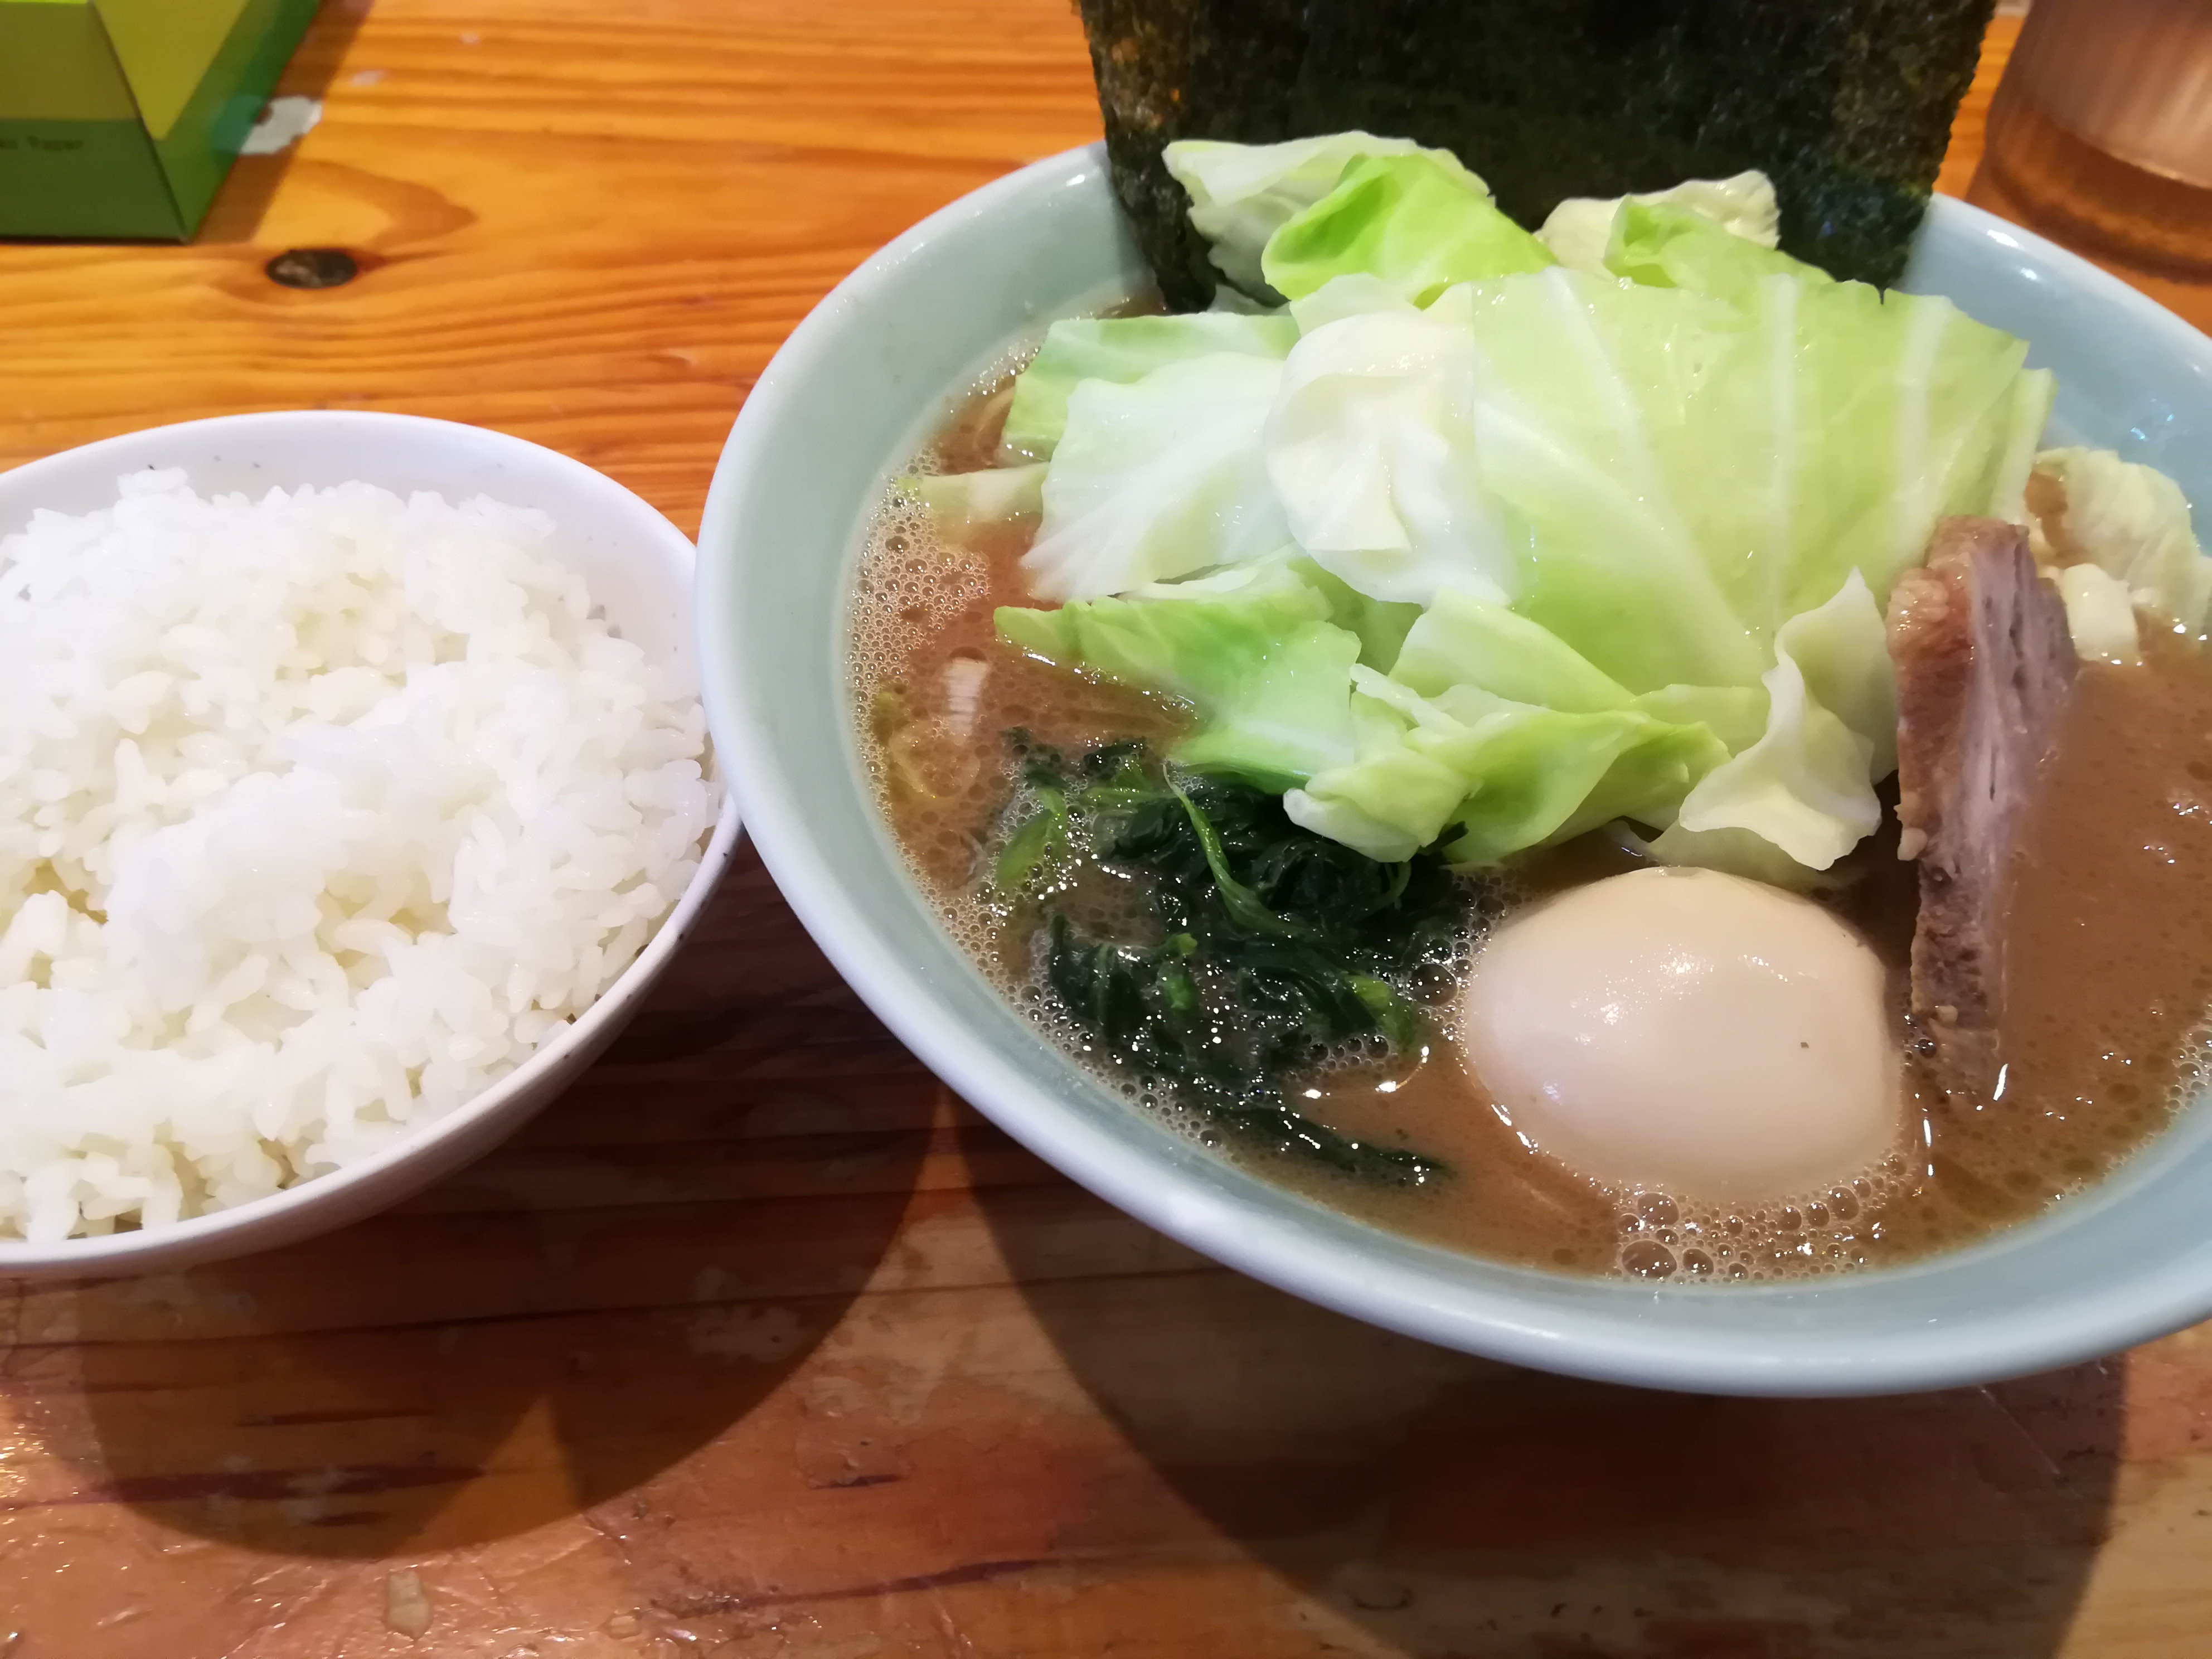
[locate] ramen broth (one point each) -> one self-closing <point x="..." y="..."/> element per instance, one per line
<point x="2109" y="939"/>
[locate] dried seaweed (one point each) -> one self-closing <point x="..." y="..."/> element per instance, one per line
<point x="1846" y="103"/>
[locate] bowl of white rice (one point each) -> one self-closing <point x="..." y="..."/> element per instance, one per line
<point x="353" y="788"/>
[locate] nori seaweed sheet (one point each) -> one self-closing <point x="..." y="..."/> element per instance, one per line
<point x="1845" y="104"/>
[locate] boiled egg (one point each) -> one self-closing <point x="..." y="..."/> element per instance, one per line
<point x="1683" y="1031"/>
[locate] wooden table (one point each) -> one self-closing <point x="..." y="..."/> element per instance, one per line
<point x="759" y="1343"/>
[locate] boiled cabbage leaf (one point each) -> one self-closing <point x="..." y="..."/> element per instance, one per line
<point x="1380" y="626"/>
<point x="960" y="502"/>
<point x="2032" y="396"/>
<point x="1806" y="786"/>
<point x="1610" y="501"/>
<point x="1500" y="551"/>
<point x="2129" y="519"/>
<point x="1461" y="639"/>
<point x="1241" y="194"/>
<point x="1580" y="229"/>
<point x="1251" y="649"/>
<point x="1158" y="478"/>
<point x="1123" y="349"/>
<point x="1492" y="776"/>
<point x="1371" y="449"/>
<point x="1495" y="731"/>
<point x="1680" y="474"/>
<point x="1414" y="223"/>
<point x="2101" y="616"/>
<point x="1352" y="294"/>
<point x="1664" y="244"/>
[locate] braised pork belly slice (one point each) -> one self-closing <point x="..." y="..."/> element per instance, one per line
<point x="1985" y="667"/>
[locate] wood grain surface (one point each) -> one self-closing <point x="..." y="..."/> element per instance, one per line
<point x="758" y="1343"/>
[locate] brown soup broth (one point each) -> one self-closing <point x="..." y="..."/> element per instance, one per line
<point x="2109" y="964"/>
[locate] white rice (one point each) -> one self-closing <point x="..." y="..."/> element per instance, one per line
<point x="317" y="814"/>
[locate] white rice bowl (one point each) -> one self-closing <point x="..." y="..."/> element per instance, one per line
<point x="318" y="814"/>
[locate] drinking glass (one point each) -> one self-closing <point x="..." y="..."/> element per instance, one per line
<point x="2101" y="129"/>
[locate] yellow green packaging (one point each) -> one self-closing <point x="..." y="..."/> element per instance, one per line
<point x="120" y="118"/>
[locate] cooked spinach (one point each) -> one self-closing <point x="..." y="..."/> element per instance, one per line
<point x="1266" y="951"/>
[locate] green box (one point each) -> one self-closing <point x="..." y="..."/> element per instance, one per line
<point x="120" y="118"/>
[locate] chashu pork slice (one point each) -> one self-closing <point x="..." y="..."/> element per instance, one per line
<point x="1985" y="667"/>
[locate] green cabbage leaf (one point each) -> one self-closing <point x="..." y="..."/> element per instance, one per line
<point x="1494" y="774"/>
<point x="1123" y="349"/>
<point x="1252" y="650"/>
<point x="1806" y="786"/>
<point x="1241" y="194"/>
<point x="1580" y="229"/>
<point x="961" y="501"/>
<point x="2130" y="521"/>
<point x="1371" y="448"/>
<point x="1661" y="477"/>
<point x="1414" y="223"/>
<point x="1495" y="551"/>
<point x="1665" y="245"/>
<point x="1158" y="478"/>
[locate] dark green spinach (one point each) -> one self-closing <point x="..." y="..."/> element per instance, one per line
<point x="1267" y="952"/>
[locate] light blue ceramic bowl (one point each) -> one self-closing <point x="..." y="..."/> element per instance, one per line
<point x="852" y="394"/>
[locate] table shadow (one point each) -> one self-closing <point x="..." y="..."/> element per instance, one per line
<point x="547" y="1330"/>
<point x="236" y="213"/>
<point x="1434" y="1503"/>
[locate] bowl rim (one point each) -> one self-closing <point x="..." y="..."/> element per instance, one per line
<point x="1605" y="1344"/>
<point x="222" y="1231"/>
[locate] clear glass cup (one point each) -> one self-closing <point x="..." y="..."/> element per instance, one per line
<point x="2101" y="129"/>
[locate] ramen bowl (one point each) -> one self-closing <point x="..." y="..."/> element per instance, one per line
<point x="854" y="393"/>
